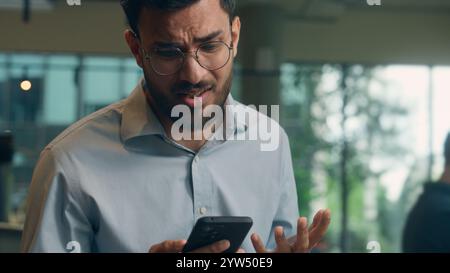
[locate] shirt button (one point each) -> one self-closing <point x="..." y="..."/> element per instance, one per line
<point x="203" y="210"/>
<point x="196" y="159"/>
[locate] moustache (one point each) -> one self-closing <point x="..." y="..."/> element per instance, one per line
<point x="187" y="88"/>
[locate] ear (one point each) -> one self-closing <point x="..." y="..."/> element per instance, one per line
<point x="235" y="33"/>
<point x="134" y="45"/>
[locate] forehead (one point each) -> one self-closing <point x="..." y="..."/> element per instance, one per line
<point x="182" y="26"/>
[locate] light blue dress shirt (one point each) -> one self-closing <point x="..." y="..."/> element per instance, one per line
<point x="113" y="182"/>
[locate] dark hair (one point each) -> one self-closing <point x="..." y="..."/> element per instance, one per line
<point x="132" y="8"/>
<point x="447" y="150"/>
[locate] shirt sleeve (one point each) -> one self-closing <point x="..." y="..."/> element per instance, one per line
<point x="56" y="221"/>
<point x="287" y="212"/>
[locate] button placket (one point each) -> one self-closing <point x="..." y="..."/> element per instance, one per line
<point x="199" y="189"/>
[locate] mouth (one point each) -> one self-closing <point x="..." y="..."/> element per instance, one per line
<point x="194" y="93"/>
<point x="189" y="97"/>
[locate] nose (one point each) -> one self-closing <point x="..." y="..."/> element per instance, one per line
<point x="192" y="71"/>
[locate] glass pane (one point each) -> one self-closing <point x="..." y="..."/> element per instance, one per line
<point x="441" y="113"/>
<point x="386" y="128"/>
<point x="3" y="86"/>
<point x="101" y="82"/>
<point x="63" y="61"/>
<point x="60" y="96"/>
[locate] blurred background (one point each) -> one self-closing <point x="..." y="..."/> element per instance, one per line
<point x="364" y="94"/>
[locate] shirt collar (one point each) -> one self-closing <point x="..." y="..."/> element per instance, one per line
<point x="138" y="119"/>
<point x="238" y="125"/>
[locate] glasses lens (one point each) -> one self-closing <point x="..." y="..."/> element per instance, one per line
<point x="211" y="56"/>
<point x="166" y="61"/>
<point x="214" y="55"/>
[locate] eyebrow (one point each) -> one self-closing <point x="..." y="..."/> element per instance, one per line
<point x="208" y="37"/>
<point x="197" y="40"/>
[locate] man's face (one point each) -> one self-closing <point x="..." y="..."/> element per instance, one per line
<point x="186" y="29"/>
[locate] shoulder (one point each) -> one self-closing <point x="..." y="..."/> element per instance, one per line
<point x="89" y="128"/>
<point x="82" y="140"/>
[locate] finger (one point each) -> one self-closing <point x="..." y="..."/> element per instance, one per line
<point x="217" y="247"/>
<point x="282" y="243"/>
<point x="158" y="248"/>
<point x="169" y="246"/>
<point x="325" y="220"/>
<point x="178" y="245"/>
<point x="318" y="232"/>
<point x="258" y="244"/>
<point x="240" y="250"/>
<point x="316" y="220"/>
<point x="153" y="249"/>
<point x="302" y="243"/>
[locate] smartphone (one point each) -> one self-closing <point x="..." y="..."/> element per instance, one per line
<point x="211" y="229"/>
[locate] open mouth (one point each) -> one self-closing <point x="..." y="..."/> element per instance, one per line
<point x="193" y="97"/>
<point x="194" y="93"/>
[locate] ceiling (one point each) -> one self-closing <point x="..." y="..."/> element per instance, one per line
<point x="297" y="7"/>
<point x="337" y="7"/>
<point x="34" y="4"/>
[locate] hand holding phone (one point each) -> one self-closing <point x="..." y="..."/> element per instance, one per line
<point x="212" y="229"/>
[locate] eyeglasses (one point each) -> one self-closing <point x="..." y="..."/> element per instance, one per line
<point x="168" y="61"/>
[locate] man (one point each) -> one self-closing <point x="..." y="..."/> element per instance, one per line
<point x="428" y="224"/>
<point x="120" y="181"/>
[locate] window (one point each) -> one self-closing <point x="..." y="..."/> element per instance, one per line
<point x="374" y="121"/>
<point x="42" y="94"/>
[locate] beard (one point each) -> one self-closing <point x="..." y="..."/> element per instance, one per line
<point x="164" y="103"/>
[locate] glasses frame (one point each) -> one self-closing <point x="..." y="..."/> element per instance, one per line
<point x="184" y="54"/>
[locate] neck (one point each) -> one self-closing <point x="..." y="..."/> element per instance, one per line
<point x="446" y="175"/>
